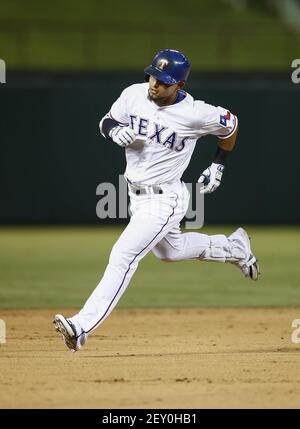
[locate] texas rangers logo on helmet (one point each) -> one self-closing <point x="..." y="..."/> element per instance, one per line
<point x="162" y="63"/>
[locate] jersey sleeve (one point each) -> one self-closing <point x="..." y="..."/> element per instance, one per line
<point x="214" y="120"/>
<point x="119" y="110"/>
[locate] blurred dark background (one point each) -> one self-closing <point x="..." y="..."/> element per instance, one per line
<point x="66" y="62"/>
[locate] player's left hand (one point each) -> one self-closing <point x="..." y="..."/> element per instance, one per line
<point x="211" y="178"/>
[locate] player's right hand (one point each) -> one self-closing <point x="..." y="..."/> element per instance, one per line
<point x="123" y="136"/>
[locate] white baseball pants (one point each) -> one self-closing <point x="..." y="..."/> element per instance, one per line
<point x="154" y="225"/>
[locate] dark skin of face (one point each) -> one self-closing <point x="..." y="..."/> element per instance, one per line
<point x="161" y="93"/>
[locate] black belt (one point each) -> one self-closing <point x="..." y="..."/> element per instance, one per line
<point x="145" y="190"/>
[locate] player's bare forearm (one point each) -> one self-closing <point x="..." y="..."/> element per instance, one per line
<point x="229" y="143"/>
<point x="225" y="146"/>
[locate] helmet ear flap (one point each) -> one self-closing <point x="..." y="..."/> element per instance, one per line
<point x="146" y="77"/>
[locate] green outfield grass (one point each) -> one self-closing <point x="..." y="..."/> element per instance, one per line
<point x="95" y="35"/>
<point x="59" y="267"/>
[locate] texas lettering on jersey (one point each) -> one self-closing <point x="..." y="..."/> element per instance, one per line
<point x="156" y="133"/>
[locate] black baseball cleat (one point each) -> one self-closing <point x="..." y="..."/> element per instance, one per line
<point x="68" y="331"/>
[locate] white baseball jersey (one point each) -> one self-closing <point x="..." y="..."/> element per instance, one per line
<point x="165" y="135"/>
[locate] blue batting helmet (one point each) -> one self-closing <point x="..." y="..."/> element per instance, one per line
<point x="169" y="66"/>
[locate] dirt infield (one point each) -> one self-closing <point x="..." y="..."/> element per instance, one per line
<point x="195" y="358"/>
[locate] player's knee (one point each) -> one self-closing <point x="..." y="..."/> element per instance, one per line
<point x="121" y="259"/>
<point x="166" y="255"/>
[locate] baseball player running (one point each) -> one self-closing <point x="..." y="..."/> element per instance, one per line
<point x="158" y="124"/>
